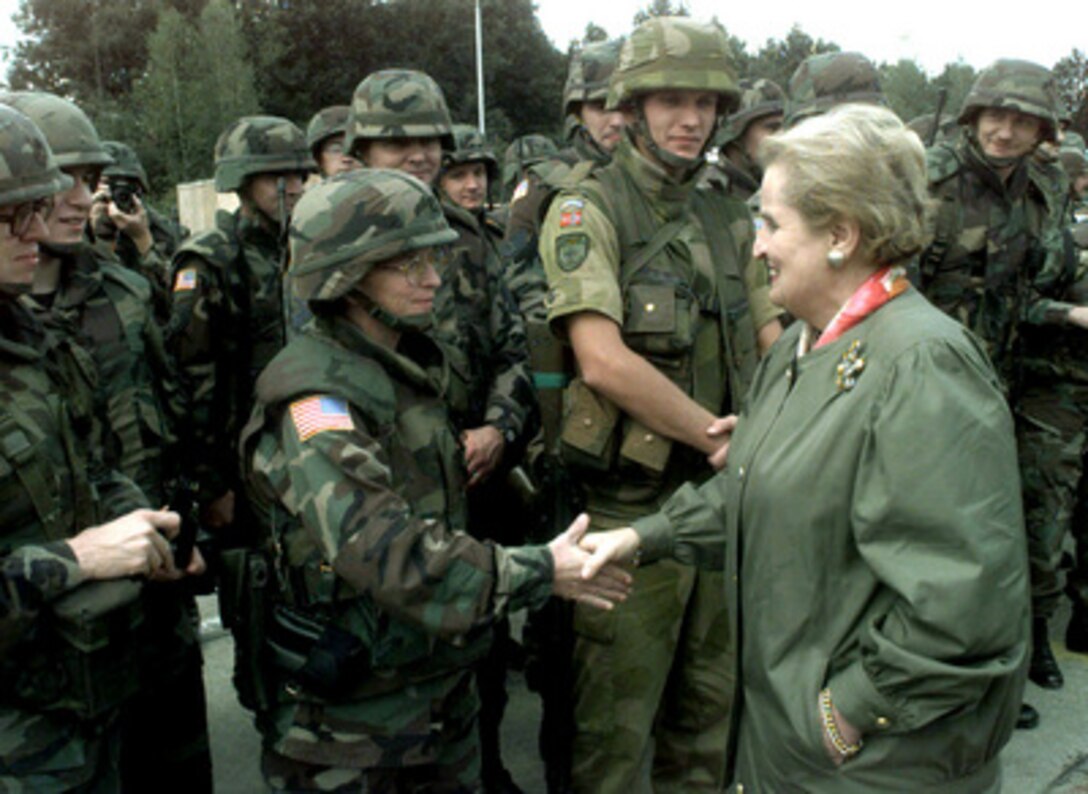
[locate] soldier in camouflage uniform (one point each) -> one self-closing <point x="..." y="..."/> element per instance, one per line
<point x="832" y="78"/>
<point x="85" y="294"/>
<point x="325" y="137"/>
<point x="646" y="265"/>
<point x="592" y="134"/>
<point x="523" y="153"/>
<point x="1076" y="583"/>
<point x="399" y="120"/>
<point x="58" y="706"/>
<point x="468" y="173"/>
<point x="142" y="238"/>
<point x="229" y="306"/>
<point x="760" y="113"/>
<point x="998" y="264"/>
<point x="355" y="471"/>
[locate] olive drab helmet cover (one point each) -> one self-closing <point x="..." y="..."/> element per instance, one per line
<point x="259" y="145"/>
<point x="674" y="53"/>
<point x="126" y="163"/>
<point x="589" y="73"/>
<point x="71" y="135"/>
<point x="344" y="226"/>
<point x="758" y="98"/>
<point x="471" y="147"/>
<point x="523" y="152"/>
<point x="1020" y="85"/>
<point x="828" y="79"/>
<point x="326" y="123"/>
<point x="28" y="169"/>
<point x="398" y="103"/>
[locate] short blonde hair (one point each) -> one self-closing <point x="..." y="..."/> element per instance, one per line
<point x="857" y="162"/>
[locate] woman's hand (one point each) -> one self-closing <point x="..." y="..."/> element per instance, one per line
<point x="850" y="735"/>
<point x="135" y="543"/>
<point x="607" y="585"/>
<point x="615" y="547"/>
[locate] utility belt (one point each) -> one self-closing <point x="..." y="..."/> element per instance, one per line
<point x="83" y="656"/>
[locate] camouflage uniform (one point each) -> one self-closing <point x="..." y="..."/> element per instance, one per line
<point x="229" y="309"/>
<point x="364" y="504"/>
<point x="106" y="309"/>
<point x="1076" y="637"/>
<point x="832" y="78"/>
<point x="996" y="264"/>
<point x="475" y="315"/>
<point x="51" y="486"/>
<point x="520" y="155"/>
<point x="327" y="123"/>
<point x="154" y="264"/>
<point x="758" y="99"/>
<point x="655" y="668"/>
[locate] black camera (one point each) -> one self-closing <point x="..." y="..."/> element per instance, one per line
<point x="123" y="192"/>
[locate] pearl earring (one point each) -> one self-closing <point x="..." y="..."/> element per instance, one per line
<point x="835" y="258"/>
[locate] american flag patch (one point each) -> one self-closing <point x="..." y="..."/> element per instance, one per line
<point x="315" y="415"/>
<point x="521" y="191"/>
<point x="185" y="280"/>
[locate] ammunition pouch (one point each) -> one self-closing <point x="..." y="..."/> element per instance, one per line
<point x="83" y="657"/>
<point x="315" y="654"/>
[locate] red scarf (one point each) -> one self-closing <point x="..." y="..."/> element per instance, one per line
<point x="878" y="289"/>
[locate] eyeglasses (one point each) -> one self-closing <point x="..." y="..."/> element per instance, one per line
<point x="21" y="217"/>
<point x="415" y="268"/>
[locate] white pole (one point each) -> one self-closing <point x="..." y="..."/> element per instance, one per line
<point x="480" y="73"/>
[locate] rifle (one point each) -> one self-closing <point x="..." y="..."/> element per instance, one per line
<point x="942" y="98"/>
<point x="184" y="503"/>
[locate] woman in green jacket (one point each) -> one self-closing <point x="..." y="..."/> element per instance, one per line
<point x="870" y="508"/>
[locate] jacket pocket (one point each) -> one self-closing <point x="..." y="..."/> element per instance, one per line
<point x="588" y="437"/>
<point x="659" y="320"/>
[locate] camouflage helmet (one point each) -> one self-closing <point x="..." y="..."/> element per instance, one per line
<point x="344" y="226"/>
<point x="126" y="163"/>
<point x="1074" y="161"/>
<point x="674" y="53"/>
<point x="259" y="145"/>
<point x="758" y="98"/>
<point x="589" y="72"/>
<point x="1019" y="85"/>
<point x="28" y="170"/>
<point x="71" y="135"/>
<point x="326" y="123"/>
<point x="828" y="79"/>
<point x="398" y="103"/>
<point x="526" y="151"/>
<point x="471" y="147"/>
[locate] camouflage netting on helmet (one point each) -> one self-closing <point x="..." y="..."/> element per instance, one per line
<point x="471" y="147"/>
<point x="326" y="123"/>
<point x="126" y="163"/>
<point x="831" y="78"/>
<point x="589" y="73"/>
<point x="1016" y="85"/>
<point x="758" y="98"/>
<point x="674" y="53"/>
<point x="344" y="226"/>
<point x="71" y="135"/>
<point x="259" y="145"/>
<point x="398" y="103"/>
<point x="28" y="170"/>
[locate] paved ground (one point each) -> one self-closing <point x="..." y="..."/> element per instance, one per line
<point x="1052" y="759"/>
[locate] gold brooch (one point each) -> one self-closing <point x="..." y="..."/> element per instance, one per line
<point x="850" y="367"/>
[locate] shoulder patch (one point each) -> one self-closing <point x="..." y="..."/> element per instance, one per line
<point x="570" y="213"/>
<point x="185" y="280"/>
<point x="571" y="251"/>
<point x="313" y="415"/>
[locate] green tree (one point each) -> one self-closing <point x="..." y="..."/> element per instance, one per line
<point x="956" y="80"/>
<point x="908" y="89"/>
<point x="594" y="32"/>
<point x="662" y="8"/>
<point x="1071" y="73"/>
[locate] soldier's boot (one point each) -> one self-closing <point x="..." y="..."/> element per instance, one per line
<point x="1076" y="633"/>
<point x="1043" y="669"/>
<point x="1028" y="719"/>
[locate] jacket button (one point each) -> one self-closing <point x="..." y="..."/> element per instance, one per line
<point x="740" y="473"/>
<point x="587" y="422"/>
<point x="650" y="307"/>
<point x="648" y="438"/>
<point x="883" y="723"/>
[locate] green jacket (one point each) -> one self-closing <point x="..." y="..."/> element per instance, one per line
<point x="874" y="544"/>
<point x="368" y="514"/>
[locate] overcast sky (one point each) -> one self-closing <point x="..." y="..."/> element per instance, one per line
<point x="932" y="32"/>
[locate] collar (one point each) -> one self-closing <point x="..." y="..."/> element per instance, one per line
<point x="652" y="179"/>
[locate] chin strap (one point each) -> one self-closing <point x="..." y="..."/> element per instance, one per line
<point x="396" y="322"/>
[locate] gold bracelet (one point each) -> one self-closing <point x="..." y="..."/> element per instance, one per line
<point x="832" y="727"/>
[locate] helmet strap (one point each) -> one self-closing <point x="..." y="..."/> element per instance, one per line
<point x="395" y="322"/>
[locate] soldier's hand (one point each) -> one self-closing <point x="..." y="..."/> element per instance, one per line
<point x="483" y="452"/>
<point x="219" y="513"/>
<point x="133" y="224"/>
<point x="135" y="543"/>
<point x="608" y="584"/>
<point x="722" y="430"/>
<point x="1078" y="316"/>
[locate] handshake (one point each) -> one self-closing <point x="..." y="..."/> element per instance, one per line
<point x="593" y="568"/>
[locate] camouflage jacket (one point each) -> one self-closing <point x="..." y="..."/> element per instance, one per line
<point x="521" y="264"/>
<point x="227" y="324"/>
<point x="742" y="173"/>
<point x="106" y="309"/>
<point x="681" y="301"/>
<point x="475" y="314"/>
<point x="49" y="490"/>
<point x="356" y="475"/>
<point x="997" y="254"/>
